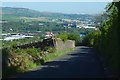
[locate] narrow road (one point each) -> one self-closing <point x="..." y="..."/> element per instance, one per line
<point x="80" y="63"/>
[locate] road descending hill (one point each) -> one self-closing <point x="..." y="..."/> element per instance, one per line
<point x="82" y="62"/>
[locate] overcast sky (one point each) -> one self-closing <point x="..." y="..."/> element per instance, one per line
<point x="62" y="7"/>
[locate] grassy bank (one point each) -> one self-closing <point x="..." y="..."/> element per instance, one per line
<point x="21" y="60"/>
<point x="56" y="54"/>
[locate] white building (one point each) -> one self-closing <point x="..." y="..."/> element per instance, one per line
<point x="16" y="36"/>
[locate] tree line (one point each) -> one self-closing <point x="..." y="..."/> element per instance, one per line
<point x="107" y="38"/>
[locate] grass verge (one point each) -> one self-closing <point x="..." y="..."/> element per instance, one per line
<point x="56" y="54"/>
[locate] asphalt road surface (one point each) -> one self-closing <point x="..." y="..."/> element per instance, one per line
<point x="82" y="62"/>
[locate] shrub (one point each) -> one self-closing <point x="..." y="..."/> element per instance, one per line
<point x="63" y="36"/>
<point x="19" y="60"/>
<point x="76" y="37"/>
<point x="50" y="49"/>
<point x="71" y="36"/>
<point x="91" y="39"/>
<point x="34" y="52"/>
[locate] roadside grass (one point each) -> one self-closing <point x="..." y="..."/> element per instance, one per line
<point x="56" y="54"/>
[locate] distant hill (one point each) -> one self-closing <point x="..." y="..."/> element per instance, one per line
<point x="24" y="12"/>
<point x="10" y="13"/>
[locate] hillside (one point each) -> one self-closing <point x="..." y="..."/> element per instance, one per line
<point x="28" y="20"/>
<point x="10" y="13"/>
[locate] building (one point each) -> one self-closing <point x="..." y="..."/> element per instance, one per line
<point x="14" y="36"/>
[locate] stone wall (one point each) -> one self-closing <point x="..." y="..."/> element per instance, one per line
<point x="58" y="43"/>
<point x="61" y="45"/>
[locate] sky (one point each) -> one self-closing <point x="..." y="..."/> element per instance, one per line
<point x="59" y="0"/>
<point x="61" y="7"/>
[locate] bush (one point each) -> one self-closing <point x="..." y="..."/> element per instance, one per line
<point x="50" y="49"/>
<point x="71" y="36"/>
<point x="75" y="37"/>
<point x="91" y="39"/>
<point x="19" y="60"/>
<point x="34" y="52"/>
<point x="63" y="36"/>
